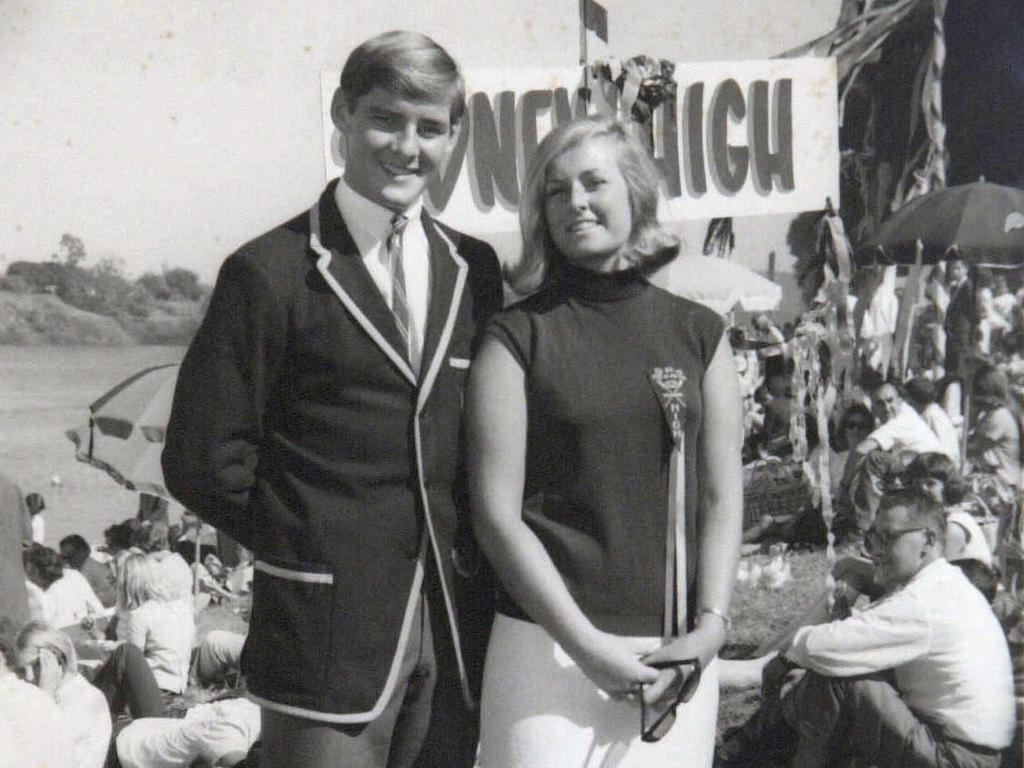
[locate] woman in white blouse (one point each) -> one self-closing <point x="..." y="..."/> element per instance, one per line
<point x="163" y="629"/>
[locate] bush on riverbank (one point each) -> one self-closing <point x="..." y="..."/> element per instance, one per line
<point x="63" y="302"/>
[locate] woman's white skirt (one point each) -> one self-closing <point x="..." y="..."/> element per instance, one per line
<point x="540" y="711"/>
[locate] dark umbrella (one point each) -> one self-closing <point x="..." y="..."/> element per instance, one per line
<point x="125" y="433"/>
<point x="984" y="222"/>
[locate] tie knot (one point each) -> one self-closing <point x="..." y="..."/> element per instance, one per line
<point x="398" y="224"/>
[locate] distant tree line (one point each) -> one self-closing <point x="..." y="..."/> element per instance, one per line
<point x="102" y="288"/>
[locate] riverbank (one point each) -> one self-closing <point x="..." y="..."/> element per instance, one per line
<point x="33" y="319"/>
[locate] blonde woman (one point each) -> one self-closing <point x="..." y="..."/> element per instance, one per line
<point x="163" y="629"/>
<point x="47" y="659"/>
<point x="570" y="452"/>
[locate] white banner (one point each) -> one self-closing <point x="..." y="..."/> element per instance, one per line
<point x="740" y="138"/>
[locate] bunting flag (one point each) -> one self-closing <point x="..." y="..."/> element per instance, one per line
<point x="595" y="18"/>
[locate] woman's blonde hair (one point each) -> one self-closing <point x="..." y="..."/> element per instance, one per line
<point x="42" y="634"/>
<point x="650" y="245"/>
<point x="137" y="581"/>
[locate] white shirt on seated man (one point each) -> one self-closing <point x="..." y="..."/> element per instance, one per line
<point x="902" y="428"/>
<point x="921" y="674"/>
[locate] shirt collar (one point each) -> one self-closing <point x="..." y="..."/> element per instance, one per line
<point x="932" y="570"/>
<point x="368" y="222"/>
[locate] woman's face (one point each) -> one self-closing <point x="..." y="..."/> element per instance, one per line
<point x="932" y="487"/>
<point x="586" y="205"/>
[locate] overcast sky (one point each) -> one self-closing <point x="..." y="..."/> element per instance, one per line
<point x="172" y="131"/>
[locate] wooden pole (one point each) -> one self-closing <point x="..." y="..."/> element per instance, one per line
<point x="905" y="315"/>
<point x="584" y="58"/>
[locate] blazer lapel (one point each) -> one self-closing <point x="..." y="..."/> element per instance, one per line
<point x="447" y="282"/>
<point x="348" y="278"/>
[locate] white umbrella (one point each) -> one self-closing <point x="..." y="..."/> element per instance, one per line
<point x="719" y="284"/>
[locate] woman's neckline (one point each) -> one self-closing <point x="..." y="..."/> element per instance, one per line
<point x="600" y="286"/>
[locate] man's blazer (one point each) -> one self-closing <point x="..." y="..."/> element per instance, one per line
<point x="300" y="429"/>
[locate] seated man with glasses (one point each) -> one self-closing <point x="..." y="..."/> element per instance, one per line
<point x="921" y="677"/>
<point x="902" y="434"/>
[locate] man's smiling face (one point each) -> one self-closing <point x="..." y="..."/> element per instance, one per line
<point x="394" y="146"/>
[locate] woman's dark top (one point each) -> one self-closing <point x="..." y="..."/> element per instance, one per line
<point x="598" y="444"/>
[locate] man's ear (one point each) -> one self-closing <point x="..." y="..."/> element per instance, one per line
<point x="339" y="111"/>
<point x="932" y="537"/>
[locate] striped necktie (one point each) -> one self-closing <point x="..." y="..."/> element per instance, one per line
<point x="399" y="298"/>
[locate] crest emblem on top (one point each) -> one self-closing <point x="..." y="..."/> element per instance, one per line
<point x="668" y="384"/>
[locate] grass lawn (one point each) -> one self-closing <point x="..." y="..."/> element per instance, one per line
<point x="758" y="613"/>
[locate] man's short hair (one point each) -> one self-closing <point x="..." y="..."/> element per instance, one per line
<point x="922" y="510"/>
<point x="409" y="65"/>
<point x="120" y="534"/>
<point x="936" y="466"/>
<point x="870" y="379"/>
<point x="76" y="544"/>
<point x="920" y="391"/>
<point x="859" y="417"/>
<point x="35" y="503"/>
<point x="46" y="562"/>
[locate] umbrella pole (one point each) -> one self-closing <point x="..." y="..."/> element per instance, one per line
<point x="905" y="314"/>
<point x="965" y="427"/>
<point x="195" y="568"/>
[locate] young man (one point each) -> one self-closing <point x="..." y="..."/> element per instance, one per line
<point x="317" y="421"/>
<point x="77" y="554"/>
<point x="921" y="677"/>
<point x="961" y="318"/>
<point x="922" y="397"/>
<point x="901" y="433"/>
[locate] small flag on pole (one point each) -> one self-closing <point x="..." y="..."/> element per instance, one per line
<point x="595" y="18"/>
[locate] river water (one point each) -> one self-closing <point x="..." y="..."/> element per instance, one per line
<point x="46" y="390"/>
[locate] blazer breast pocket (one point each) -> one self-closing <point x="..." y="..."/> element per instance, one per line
<point x="462" y="363"/>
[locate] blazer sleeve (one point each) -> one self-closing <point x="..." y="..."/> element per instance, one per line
<point x="216" y="426"/>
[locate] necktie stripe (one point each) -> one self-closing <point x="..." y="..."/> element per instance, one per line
<point x="399" y="298"/>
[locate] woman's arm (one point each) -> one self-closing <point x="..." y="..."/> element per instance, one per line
<point x="496" y="428"/>
<point x="720" y="525"/>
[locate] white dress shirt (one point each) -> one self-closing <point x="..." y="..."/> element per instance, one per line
<point x="940" y="637"/>
<point x="38" y="528"/>
<point x="369" y="225"/>
<point x="70" y="599"/>
<point x="937" y="418"/>
<point x="907" y="431"/>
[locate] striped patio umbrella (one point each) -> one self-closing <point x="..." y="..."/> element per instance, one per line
<point x="125" y="433"/>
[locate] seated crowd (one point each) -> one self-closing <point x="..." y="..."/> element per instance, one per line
<point x="925" y="668"/>
<point x="877" y="435"/>
<point x="112" y="672"/>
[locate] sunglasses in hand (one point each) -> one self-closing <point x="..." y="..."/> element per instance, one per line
<point x="655" y="729"/>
